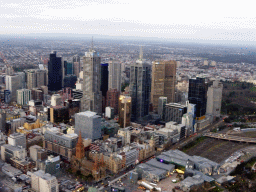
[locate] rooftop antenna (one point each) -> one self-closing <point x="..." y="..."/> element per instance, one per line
<point x="141" y="53"/>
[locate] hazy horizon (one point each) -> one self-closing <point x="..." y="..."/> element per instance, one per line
<point x="221" y="22"/>
<point x="96" y="37"/>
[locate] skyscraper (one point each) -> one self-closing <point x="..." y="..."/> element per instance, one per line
<point x="112" y="99"/>
<point x="163" y="81"/>
<point x="197" y="94"/>
<point x="77" y="65"/>
<point x="55" y="73"/>
<point x="214" y="97"/>
<point x="41" y="78"/>
<point x="92" y="98"/>
<point x="23" y="96"/>
<point x="140" y="84"/>
<point x="114" y="78"/>
<point x="15" y="82"/>
<point x="104" y="84"/>
<point x="31" y="79"/>
<point x="36" y="78"/>
<point x="162" y="101"/>
<point x="68" y="68"/>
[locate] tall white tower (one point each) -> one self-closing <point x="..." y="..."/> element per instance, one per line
<point x="92" y="97"/>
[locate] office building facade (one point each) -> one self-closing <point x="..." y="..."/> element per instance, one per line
<point x="174" y="112"/>
<point x="15" y="82"/>
<point x="197" y="94"/>
<point x="104" y="84"/>
<point x="36" y="78"/>
<point x="125" y="111"/>
<point x="23" y="96"/>
<point x="114" y="80"/>
<point x="59" y="143"/>
<point x="140" y="84"/>
<point x="77" y="65"/>
<point x="55" y="73"/>
<point x="214" y="97"/>
<point x="68" y="68"/>
<point x="163" y="81"/>
<point x="89" y="123"/>
<point x="112" y="99"/>
<point x="70" y="81"/>
<point x="162" y="101"/>
<point x="41" y="181"/>
<point x="92" y="96"/>
<point x="17" y="139"/>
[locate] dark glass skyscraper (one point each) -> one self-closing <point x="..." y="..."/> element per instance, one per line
<point x="68" y="68"/>
<point x="104" y="84"/>
<point x="55" y="73"/>
<point x="104" y="79"/>
<point x="140" y="84"/>
<point x="197" y="94"/>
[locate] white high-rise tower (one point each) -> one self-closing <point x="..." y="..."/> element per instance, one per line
<point x="92" y="97"/>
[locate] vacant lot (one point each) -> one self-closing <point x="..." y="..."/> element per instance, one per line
<point x="215" y="150"/>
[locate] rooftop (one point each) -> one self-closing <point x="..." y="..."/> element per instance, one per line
<point x="43" y="175"/>
<point x="88" y="114"/>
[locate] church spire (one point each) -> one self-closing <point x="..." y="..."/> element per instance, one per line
<point x="80" y="147"/>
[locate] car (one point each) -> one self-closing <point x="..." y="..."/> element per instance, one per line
<point x="177" y="187"/>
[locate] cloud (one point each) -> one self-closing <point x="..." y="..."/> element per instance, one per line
<point x="165" y="19"/>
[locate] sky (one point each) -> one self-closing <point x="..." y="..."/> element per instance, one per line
<point x="196" y="20"/>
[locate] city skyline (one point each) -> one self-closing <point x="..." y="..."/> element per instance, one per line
<point x="179" y="21"/>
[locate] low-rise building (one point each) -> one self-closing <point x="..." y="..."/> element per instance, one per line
<point x="8" y="151"/>
<point x="10" y="170"/>
<point x="17" y="139"/>
<point x="59" y="143"/>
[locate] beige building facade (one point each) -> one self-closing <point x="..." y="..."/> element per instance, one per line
<point x="163" y="81"/>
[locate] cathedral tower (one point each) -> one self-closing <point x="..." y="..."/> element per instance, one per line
<point x="80" y="147"/>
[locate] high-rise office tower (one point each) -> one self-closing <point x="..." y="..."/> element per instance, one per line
<point x="69" y="81"/>
<point x="112" y="99"/>
<point x="114" y="77"/>
<point x="76" y="65"/>
<point x="89" y="123"/>
<point x="68" y="68"/>
<point x="55" y="73"/>
<point x="23" y="96"/>
<point x="36" y="78"/>
<point x="214" y="97"/>
<point x="162" y="101"/>
<point x="15" y="82"/>
<point x="92" y="98"/>
<point x="31" y="79"/>
<point x="140" y="83"/>
<point x="124" y="111"/>
<point x="197" y="94"/>
<point x="104" y="84"/>
<point x="41" y="78"/>
<point x="163" y="81"/>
